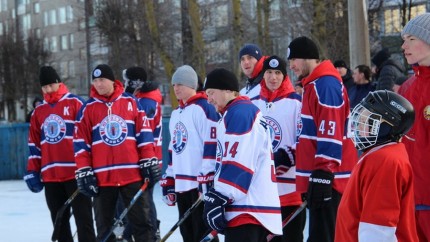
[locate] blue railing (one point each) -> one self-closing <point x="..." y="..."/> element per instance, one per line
<point x="14" y="149"/>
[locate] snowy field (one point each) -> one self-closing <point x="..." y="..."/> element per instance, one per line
<point x="24" y="215"/>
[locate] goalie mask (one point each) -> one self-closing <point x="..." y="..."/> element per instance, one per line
<point x="381" y="117"/>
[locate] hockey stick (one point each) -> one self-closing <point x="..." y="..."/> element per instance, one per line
<point x="288" y="219"/>
<point x="209" y="237"/>
<point x="182" y="219"/>
<point x="59" y="216"/>
<point x="121" y="217"/>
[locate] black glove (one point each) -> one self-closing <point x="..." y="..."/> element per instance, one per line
<point x="319" y="193"/>
<point x="87" y="182"/>
<point x="284" y="160"/>
<point x="150" y="171"/>
<point x="206" y="182"/>
<point x="213" y="213"/>
<point x="33" y="181"/>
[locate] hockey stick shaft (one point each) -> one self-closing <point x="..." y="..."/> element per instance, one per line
<point x="125" y="211"/>
<point x="182" y="219"/>
<point x="288" y="219"/>
<point x="59" y="216"/>
<point x="211" y="235"/>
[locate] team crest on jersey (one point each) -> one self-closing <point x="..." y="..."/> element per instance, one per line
<point x="54" y="129"/>
<point x="299" y="125"/>
<point x="427" y="112"/>
<point x="275" y="131"/>
<point x="113" y="130"/>
<point x="180" y="137"/>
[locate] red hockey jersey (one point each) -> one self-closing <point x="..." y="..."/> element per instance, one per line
<point x="111" y="136"/>
<point x="378" y="203"/>
<point x="50" y="137"/>
<point x="322" y="141"/>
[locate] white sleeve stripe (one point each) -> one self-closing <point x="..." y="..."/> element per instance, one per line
<point x="374" y="232"/>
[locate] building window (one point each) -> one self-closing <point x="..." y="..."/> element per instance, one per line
<point x="46" y="44"/>
<point x="37" y="33"/>
<point x="64" y="69"/>
<point x="54" y="46"/>
<point x="392" y="21"/>
<point x="36" y="7"/>
<point x="69" y="14"/>
<point x="45" y="18"/>
<point x="1" y="29"/>
<point x="64" y="42"/>
<point x="71" y="41"/>
<point x="62" y="15"/>
<point x="52" y="17"/>
<point x="71" y="67"/>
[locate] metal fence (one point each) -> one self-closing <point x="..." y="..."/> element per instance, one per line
<point x="14" y="149"/>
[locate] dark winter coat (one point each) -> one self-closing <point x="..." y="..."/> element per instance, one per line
<point x="387" y="74"/>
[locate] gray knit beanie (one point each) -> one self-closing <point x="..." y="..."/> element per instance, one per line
<point x="419" y="27"/>
<point x="186" y="76"/>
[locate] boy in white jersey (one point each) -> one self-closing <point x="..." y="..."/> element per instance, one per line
<point x="244" y="202"/>
<point x="281" y="106"/>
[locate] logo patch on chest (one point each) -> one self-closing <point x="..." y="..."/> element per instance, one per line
<point x="113" y="130"/>
<point x="180" y="137"/>
<point x="54" y="129"/>
<point x="275" y="131"/>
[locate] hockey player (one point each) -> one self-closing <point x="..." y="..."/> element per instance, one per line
<point x="244" y="203"/>
<point x="114" y="153"/>
<point x="51" y="163"/>
<point x="378" y="202"/>
<point x="325" y="157"/>
<point x="251" y="63"/>
<point x="192" y="147"/>
<point x="149" y="96"/>
<point x="416" y="46"/>
<point x="281" y="105"/>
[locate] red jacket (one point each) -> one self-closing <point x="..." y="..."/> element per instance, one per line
<point x="112" y="142"/>
<point x="151" y="103"/>
<point x="322" y="142"/>
<point x="417" y="140"/>
<point x="50" y="137"/>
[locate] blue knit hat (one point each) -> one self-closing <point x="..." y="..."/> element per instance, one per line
<point x="252" y="50"/>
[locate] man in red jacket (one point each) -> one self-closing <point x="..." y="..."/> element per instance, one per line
<point x="114" y="153"/>
<point x="416" y="46"/>
<point x="325" y="157"/>
<point x="51" y="163"/>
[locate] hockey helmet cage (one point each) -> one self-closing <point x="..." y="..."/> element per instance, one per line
<point x="381" y="117"/>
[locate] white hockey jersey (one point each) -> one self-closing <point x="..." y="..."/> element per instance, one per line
<point x="245" y="170"/>
<point x="192" y="144"/>
<point x="282" y="114"/>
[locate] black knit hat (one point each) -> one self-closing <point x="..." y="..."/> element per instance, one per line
<point x="340" y="63"/>
<point x="103" y="71"/>
<point x="221" y="79"/>
<point x="302" y="48"/>
<point x="48" y="75"/>
<point x="381" y="57"/>
<point x="135" y="73"/>
<point x="275" y="63"/>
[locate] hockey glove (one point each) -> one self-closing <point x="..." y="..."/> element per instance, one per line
<point x="87" y="181"/>
<point x="206" y="182"/>
<point x="284" y="160"/>
<point x="150" y="171"/>
<point x="168" y="186"/>
<point x="319" y="193"/>
<point x="33" y="181"/>
<point x="213" y="213"/>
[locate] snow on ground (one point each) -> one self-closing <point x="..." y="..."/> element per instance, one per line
<point x="24" y="216"/>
